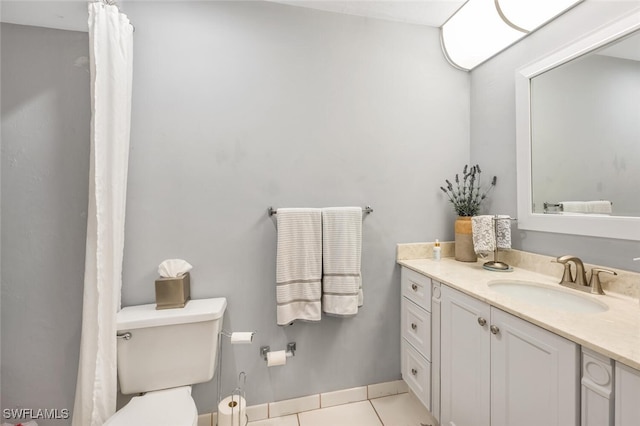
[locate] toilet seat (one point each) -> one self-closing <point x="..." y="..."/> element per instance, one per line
<point x="168" y="407"/>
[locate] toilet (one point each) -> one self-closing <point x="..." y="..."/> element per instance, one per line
<point x="161" y="353"/>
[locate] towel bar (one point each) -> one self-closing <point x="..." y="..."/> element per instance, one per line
<point x="366" y="210"/>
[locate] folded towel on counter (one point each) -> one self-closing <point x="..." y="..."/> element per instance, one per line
<point x="299" y="265"/>
<point x="484" y="235"/>
<point x="341" y="258"/>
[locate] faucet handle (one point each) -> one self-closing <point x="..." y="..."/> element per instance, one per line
<point x="594" y="282"/>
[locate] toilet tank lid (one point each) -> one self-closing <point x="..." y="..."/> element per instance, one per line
<point x="142" y="316"/>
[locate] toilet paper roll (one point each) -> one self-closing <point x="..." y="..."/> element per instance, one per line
<point x="232" y="411"/>
<point x="276" y="358"/>
<point x="239" y="338"/>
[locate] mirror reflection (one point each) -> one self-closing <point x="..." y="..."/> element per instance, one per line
<point x="585" y="134"/>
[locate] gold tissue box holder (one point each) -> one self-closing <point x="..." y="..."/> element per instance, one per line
<point x="172" y="292"/>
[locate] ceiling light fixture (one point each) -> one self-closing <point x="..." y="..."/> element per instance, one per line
<point x="482" y="28"/>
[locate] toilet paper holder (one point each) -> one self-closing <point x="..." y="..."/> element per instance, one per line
<point x="291" y="350"/>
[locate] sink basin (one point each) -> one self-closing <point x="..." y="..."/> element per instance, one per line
<point x="546" y="296"/>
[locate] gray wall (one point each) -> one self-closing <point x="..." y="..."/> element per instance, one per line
<point x="493" y="132"/>
<point x="45" y="172"/>
<point x="238" y="106"/>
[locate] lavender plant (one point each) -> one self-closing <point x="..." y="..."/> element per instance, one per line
<point x="466" y="195"/>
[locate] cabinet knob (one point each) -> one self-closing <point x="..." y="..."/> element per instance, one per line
<point x="414" y="326"/>
<point x="482" y="321"/>
<point x="414" y="287"/>
<point x="414" y="371"/>
<point x="494" y="329"/>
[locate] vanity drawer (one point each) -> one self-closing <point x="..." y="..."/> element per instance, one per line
<point x="416" y="287"/>
<point x="416" y="372"/>
<point x="416" y="327"/>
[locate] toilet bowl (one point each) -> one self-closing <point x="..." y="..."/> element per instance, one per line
<point x="161" y="353"/>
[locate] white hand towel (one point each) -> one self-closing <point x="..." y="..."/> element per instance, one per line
<point x="484" y="235"/>
<point x="299" y="265"/>
<point x="341" y="258"/>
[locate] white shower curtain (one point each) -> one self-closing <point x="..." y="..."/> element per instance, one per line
<point x="111" y="50"/>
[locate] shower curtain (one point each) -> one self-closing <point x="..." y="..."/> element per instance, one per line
<point x="111" y="50"/>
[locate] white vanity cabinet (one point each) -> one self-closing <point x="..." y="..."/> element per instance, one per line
<point x="416" y="334"/>
<point x="627" y="396"/>
<point x="499" y="370"/>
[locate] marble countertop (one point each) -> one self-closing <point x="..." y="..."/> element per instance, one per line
<point x="614" y="333"/>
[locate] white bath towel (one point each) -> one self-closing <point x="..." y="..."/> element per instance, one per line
<point x="600" y="206"/>
<point x="299" y="265"/>
<point x="575" y="207"/>
<point x="341" y="258"/>
<point x="587" y="207"/>
<point x="484" y="235"/>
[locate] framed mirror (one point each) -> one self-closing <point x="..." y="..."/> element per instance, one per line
<point x="578" y="136"/>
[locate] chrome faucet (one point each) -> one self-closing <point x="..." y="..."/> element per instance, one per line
<point x="580" y="282"/>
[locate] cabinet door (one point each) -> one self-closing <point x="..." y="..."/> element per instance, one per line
<point x="464" y="343"/>
<point x="627" y="396"/>
<point x="534" y="375"/>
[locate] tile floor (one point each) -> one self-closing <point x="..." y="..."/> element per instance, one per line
<point x="396" y="410"/>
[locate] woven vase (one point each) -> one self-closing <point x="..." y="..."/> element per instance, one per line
<point x="464" y="251"/>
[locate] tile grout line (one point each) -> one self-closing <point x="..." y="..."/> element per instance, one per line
<point x="376" y="411"/>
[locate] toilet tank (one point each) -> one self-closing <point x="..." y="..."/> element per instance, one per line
<point x="169" y="347"/>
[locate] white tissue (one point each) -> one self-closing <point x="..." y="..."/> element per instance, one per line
<point x="172" y="268"/>
<point x="232" y="411"/>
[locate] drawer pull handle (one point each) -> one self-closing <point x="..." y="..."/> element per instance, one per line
<point x="414" y="326"/>
<point x="494" y="329"/>
<point x="482" y="321"/>
<point x="125" y="336"/>
<point x="414" y="287"/>
<point x="414" y="371"/>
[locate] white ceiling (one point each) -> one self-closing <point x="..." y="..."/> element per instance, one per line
<point x="72" y="14"/>
<point x="433" y="13"/>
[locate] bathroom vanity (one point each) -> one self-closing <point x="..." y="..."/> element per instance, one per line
<point x="476" y="352"/>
